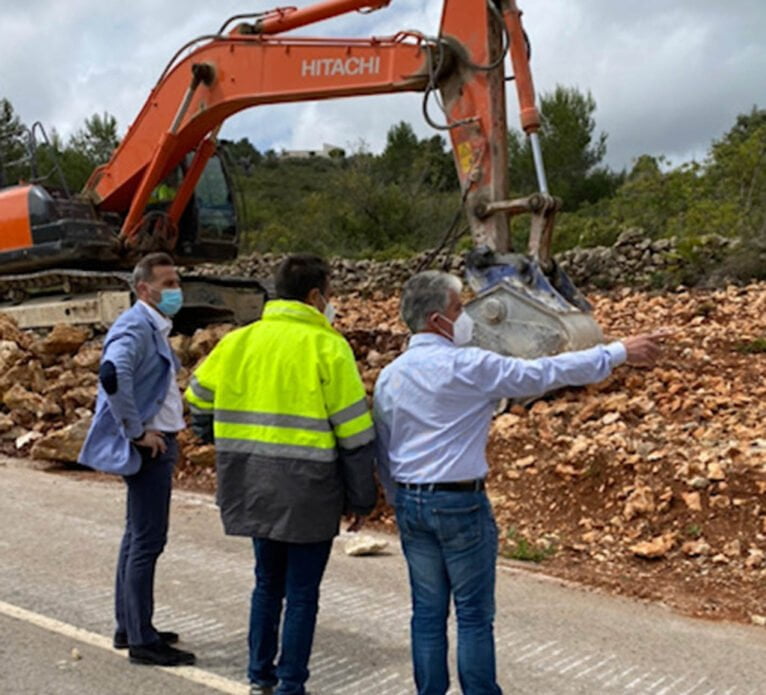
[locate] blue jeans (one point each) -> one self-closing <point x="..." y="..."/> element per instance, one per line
<point x="146" y="531"/>
<point x="291" y="571"/>
<point x="450" y="542"/>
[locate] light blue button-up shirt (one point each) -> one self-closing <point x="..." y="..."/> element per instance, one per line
<point x="433" y="404"/>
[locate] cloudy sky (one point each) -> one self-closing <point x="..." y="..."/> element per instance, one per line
<point x="668" y="76"/>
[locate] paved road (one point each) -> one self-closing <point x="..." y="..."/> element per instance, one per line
<point x="57" y="554"/>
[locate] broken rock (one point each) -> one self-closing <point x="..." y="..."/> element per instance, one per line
<point x="63" y="339"/>
<point x="364" y="545"/>
<point x="17" y="398"/>
<point x="63" y="444"/>
<point x="641" y="501"/>
<point x="9" y="330"/>
<point x="755" y="557"/>
<point x="733" y="548"/>
<point x="657" y="547"/>
<point x="27" y="438"/>
<point x="6" y="423"/>
<point x="201" y="455"/>
<point x="692" y="500"/>
<point x="88" y="357"/>
<point x="696" y="548"/>
<point x="10" y="354"/>
<point x="205" y="339"/>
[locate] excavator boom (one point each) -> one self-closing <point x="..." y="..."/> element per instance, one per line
<point x="251" y="66"/>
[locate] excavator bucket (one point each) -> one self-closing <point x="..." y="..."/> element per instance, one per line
<point x="526" y="305"/>
<point x="522" y="312"/>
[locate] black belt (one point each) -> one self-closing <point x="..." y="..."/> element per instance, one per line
<point x="458" y="486"/>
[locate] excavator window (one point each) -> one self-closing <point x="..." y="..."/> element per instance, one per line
<point x="215" y="204"/>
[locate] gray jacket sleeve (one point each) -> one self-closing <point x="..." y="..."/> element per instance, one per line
<point x="357" y="467"/>
<point x="202" y="425"/>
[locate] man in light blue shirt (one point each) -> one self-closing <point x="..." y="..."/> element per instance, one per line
<point x="433" y="406"/>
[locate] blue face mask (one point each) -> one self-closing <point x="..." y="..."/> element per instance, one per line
<point x="170" y="302"/>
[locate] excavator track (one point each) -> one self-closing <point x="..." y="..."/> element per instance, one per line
<point x="206" y="299"/>
<point x="18" y="288"/>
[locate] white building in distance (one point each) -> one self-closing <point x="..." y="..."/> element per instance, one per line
<point x="325" y="152"/>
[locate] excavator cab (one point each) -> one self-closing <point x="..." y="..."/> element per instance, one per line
<point x="208" y="229"/>
<point x="63" y="253"/>
<point x="45" y="227"/>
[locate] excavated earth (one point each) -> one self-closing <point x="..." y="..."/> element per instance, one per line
<point x="650" y="484"/>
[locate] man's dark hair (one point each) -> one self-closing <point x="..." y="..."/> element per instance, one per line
<point x="298" y="275"/>
<point x="144" y="269"/>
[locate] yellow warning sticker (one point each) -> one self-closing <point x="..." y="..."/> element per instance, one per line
<point x="465" y="157"/>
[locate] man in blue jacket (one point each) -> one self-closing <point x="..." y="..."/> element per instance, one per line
<point x="133" y="434"/>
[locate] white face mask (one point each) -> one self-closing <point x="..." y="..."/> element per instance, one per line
<point x="462" y="328"/>
<point x="329" y="309"/>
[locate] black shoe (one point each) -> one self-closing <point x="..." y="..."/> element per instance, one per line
<point x="256" y="689"/>
<point x="120" y="640"/>
<point x="160" y="654"/>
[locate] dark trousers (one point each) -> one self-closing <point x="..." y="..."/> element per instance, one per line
<point x="146" y="531"/>
<point x="291" y="571"/>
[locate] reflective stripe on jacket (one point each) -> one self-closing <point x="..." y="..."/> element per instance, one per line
<point x="290" y="419"/>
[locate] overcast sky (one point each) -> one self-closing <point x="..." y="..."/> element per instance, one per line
<point x="668" y="76"/>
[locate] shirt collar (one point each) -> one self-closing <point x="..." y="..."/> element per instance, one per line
<point x="429" y="339"/>
<point x="161" y="323"/>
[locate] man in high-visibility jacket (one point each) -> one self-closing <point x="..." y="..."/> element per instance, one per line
<point x="294" y="451"/>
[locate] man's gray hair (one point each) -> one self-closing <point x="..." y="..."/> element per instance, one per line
<point x="144" y="269"/>
<point x="425" y="294"/>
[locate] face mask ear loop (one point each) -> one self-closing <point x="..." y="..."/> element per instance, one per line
<point x="441" y="333"/>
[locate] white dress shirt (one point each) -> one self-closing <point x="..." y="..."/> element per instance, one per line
<point x="433" y="405"/>
<point x="170" y="417"/>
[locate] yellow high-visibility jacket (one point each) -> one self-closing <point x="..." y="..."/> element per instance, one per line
<point x="292" y="429"/>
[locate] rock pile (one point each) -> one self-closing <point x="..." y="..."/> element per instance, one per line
<point x="362" y="276"/>
<point x="633" y="260"/>
<point x="47" y="386"/>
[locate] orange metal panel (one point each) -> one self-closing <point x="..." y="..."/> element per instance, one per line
<point x="15" y="229"/>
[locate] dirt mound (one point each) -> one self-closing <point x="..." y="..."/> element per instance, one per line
<point x="650" y="484"/>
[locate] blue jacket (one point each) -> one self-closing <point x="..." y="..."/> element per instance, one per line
<point x="134" y="380"/>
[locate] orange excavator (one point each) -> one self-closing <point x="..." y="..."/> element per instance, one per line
<point x="525" y="304"/>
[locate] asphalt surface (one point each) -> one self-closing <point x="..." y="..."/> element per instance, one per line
<point x="57" y="553"/>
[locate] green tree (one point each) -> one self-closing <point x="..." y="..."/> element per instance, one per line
<point x="572" y="151"/>
<point x="344" y="207"/>
<point x="416" y="164"/>
<point x="97" y="139"/>
<point x="13" y="146"/>
<point x="242" y="154"/>
<point x="396" y="163"/>
<point x="735" y="173"/>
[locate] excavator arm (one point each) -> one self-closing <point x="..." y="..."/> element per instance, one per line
<point x="256" y="64"/>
